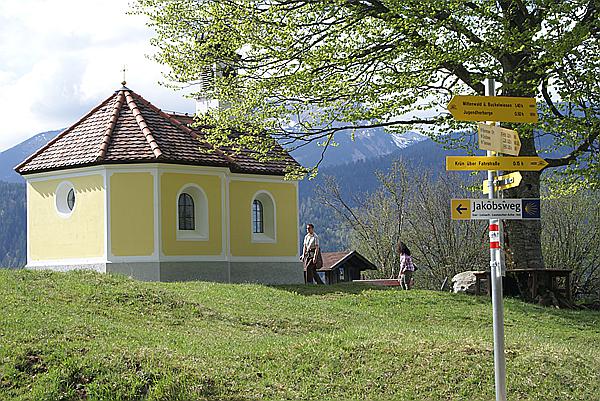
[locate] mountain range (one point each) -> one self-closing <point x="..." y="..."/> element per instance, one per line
<point x="363" y="146"/>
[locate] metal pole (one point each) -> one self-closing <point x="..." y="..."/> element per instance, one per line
<point x="496" y="278"/>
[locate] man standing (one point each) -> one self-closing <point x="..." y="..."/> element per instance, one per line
<point x="311" y="255"/>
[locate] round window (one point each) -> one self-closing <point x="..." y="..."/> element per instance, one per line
<point x="65" y="199"/>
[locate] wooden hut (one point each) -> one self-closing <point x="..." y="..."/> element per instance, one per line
<point x="343" y="266"/>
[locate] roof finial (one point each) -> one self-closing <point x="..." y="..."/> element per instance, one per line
<point x="124" y="71"/>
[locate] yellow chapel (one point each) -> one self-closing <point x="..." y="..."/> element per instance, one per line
<point x="134" y="190"/>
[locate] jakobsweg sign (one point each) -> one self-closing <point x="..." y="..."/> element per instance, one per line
<point x="484" y="209"/>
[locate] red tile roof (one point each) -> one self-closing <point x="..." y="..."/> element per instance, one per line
<point x="126" y="128"/>
<point x="331" y="260"/>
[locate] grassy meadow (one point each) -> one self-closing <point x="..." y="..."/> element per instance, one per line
<point x="87" y="336"/>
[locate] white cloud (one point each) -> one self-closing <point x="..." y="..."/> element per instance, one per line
<point x="60" y="58"/>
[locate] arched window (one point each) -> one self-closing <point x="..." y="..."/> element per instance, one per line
<point x="258" y="225"/>
<point x="186" y="212"/>
<point x="263" y="218"/>
<point x="191" y="222"/>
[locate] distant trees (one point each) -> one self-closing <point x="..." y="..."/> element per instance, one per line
<point x="443" y="246"/>
<point x="571" y="240"/>
<point x="332" y="236"/>
<point x="412" y="206"/>
<point x="374" y="221"/>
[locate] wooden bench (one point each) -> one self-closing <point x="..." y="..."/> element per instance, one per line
<point x="556" y="280"/>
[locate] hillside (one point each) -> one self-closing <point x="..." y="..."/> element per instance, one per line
<point x="13" y="225"/>
<point x="360" y="175"/>
<point x="358" y="178"/>
<point x="88" y="336"/>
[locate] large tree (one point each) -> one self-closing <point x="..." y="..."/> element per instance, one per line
<point x="303" y="70"/>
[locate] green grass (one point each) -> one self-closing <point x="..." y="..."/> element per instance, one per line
<point x="98" y="337"/>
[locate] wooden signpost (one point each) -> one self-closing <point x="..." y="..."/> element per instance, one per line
<point x="508" y="163"/>
<point x="503" y="182"/>
<point x="493" y="108"/>
<point x="498" y="139"/>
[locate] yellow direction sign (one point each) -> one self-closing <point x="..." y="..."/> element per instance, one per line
<point x="460" y="209"/>
<point x="508" y="163"/>
<point x="498" y="139"/>
<point x="504" y="182"/>
<point x="494" y="108"/>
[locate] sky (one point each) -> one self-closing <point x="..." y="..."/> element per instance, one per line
<point x="61" y="58"/>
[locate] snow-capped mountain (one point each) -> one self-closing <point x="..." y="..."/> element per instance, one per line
<point x="366" y="145"/>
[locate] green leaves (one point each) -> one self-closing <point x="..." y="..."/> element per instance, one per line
<point x="301" y="70"/>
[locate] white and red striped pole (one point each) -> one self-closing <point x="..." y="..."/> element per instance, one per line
<point x="494" y="236"/>
<point x="496" y="272"/>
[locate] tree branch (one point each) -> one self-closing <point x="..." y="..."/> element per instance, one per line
<point x="547" y="98"/>
<point x="464" y="75"/>
<point x="582" y="148"/>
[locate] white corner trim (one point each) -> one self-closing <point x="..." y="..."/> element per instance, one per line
<point x="107" y="243"/>
<point x="226" y="206"/>
<point x="27" y="210"/>
<point x="157" y="209"/>
<point x="109" y="254"/>
<point x="297" y="218"/>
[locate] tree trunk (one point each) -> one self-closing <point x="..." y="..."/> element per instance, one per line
<point x="524" y="237"/>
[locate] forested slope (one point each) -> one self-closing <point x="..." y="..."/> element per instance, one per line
<point x="13" y="223"/>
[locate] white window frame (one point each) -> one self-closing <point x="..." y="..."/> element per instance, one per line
<point x="201" y="223"/>
<point x="269" y="218"/>
<point x="60" y="199"/>
<point x="262" y="217"/>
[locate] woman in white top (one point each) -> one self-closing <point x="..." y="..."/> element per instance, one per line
<point x="311" y="254"/>
<point x="406" y="266"/>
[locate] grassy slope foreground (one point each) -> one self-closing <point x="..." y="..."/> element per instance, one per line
<point x="98" y="337"/>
